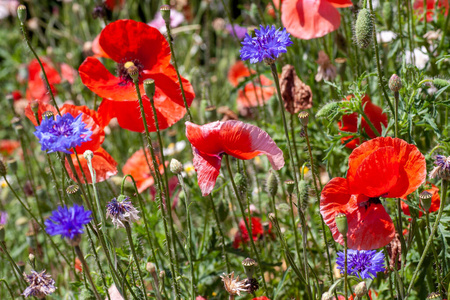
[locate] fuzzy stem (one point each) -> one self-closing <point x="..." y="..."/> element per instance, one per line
<point x="436" y="259"/>
<point x="345" y="268"/>
<point x="222" y="236"/>
<point x="17" y="274"/>
<point x="86" y="271"/>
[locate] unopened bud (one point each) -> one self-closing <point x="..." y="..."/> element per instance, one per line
<point x="150" y="267"/>
<point x="440" y="83"/>
<point x="249" y="267"/>
<point x="165" y="13"/>
<point x="363" y="28"/>
<point x="22" y="13"/>
<point x="272" y="184"/>
<point x="304" y="118"/>
<point x="290" y="184"/>
<point x="425" y="200"/>
<point x="3" y="169"/>
<point x="149" y="87"/>
<point x="303" y="191"/>
<point x="360" y="289"/>
<point x="2" y="233"/>
<point x="175" y="166"/>
<point x="133" y="72"/>
<point x="395" y="83"/>
<point x="341" y="223"/>
<point x="88" y="155"/>
<point x="34" y="106"/>
<point x="241" y="183"/>
<point x="162" y="274"/>
<point x="31" y="257"/>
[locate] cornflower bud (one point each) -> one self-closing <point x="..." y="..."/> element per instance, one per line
<point x="341" y="223"/>
<point x="360" y="289"/>
<point x="425" y="200"/>
<point x="149" y="87"/>
<point x="363" y="28"/>
<point x="175" y="166"/>
<point x="165" y="13"/>
<point x="22" y="13"/>
<point x="395" y="83"/>
<point x="272" y="184"/>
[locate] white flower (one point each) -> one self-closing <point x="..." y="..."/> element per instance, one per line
<point x="420" y="57"/>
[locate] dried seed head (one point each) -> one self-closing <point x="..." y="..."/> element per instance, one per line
<point x="363" y="28"/>
<point x="341" y="223"/>
<point x="296" y="95"/>
<point x="434" y="296"/>
<point x="252" y="285"/>
<point x="165" y="13"/>
<point x="232" y="285"/>
<point x="425" y="200"/>
<point x="249" y="267"/>
<point x="22" y="13"/>
<point x="304" y="118"/>
<point x="395" y="83"/>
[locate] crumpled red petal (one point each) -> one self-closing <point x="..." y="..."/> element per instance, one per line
<point x="309" y="19"/>
<point x="411" y="164"/>
<point x="369" y="225"/>
<point x="207" y="168"/>
<point x="103" y="164"/>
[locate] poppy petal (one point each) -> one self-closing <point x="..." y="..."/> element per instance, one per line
<point x="309" y="19"/>
<point x="340" y="3"/>
<point x="237" y="72"/>
<point x="412" y="165"/>
<point x="369" y="225"/>
<point x="207" y="168"/>
<point x="103" y="164"/>
<point x="129" y="40"/>
<point x="97" y="49"/>
<point x="205" y="138"/>
<point x="42" y="108"/>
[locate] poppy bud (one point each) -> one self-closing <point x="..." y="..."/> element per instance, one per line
<point x="249" y="267"/>
<point x="290" y="184"/>
<point x="165" y="13"/>
<point x="241" y="182"/>
<point x="425" y="200"/>
<point x="434" y="296"/>
<point x="341" y="223"/>
<point x="3" y="169"/>
<point x="149" y="87"/>
<point x="395" y="83"/>
<point x="387" y="14"/>
<point x="22" y="13"/>
<point x="328" y="110"/>
<point x="303" y="191"/>
<point x="360" y="289"/>
<point x="175" y="166"/>
<point x="363" y="28"/>
<point x="440" y="83"/>
<point x="304" y="118"/>
<point x="74" y="193"/>
<point x="12" y="165"/>
<point x="133" y="72"/>
<point x="272" y="184"/>
<point x="327" y="296"/>
<point x="88" y="155"/>
<point x="2" y="233"/>
<point x="47" y="115"/>
<point x="150" y="267"/>
<point x="162" y="274"/>
<point x="34" y="106"/>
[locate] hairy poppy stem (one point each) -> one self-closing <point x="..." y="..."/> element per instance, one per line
<point x="444" y="186"/>
<point x="16" y="271"/>
<point x="433" y="249"/>
<point x="346" y="264"/>
<point x="86" y="271"/>
<point x="222" y="236"/>
<point x="249" y="230"/>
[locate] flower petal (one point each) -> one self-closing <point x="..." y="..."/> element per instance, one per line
<point x="43" y="107"/>
<point x="340" y="3"/>
<point x="369" y="225"/>
<point x="309" y="19"/>
<point x="207" y="168"/>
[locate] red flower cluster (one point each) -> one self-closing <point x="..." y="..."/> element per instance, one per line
<point x="349" y="123"/>
<point x="431" y="6"/>
<point x="383" y="167"/>
<point x="242" y="235"/>
<point x="147" y="49"/>
<point x="310" y="19"/>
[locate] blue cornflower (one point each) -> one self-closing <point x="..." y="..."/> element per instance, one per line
<point x="63" y="133"/>
<point x="266" y="45"/>
<point x="364" y="264"/>
<point x="442" y="169"/>
<point x="68" y="222"/>
<point x="121" y="210"/>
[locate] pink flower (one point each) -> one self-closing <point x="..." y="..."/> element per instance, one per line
<point x="176" y="18"/>
<point x="235" y="138"/>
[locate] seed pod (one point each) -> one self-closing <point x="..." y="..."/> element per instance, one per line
<point x="74" y="193"/>
<point x="328" y="110"/>
<point x="165" y="13"/>
<point x="341" y="223"/>
<point x="303" y="190"/>
<point x="22" y="13"/>
<point x="272" y="184"/>
<point x="440" y="83"/>
<point x="290" y="184"/>
<point x="149" y="87"/>
<point x="249" y="267"/>
<point x="425" y="200"/>
<point x="364" y="28"/>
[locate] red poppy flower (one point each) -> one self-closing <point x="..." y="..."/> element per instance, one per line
<point x="261" y="298"/>
<point x="104" y="165"/>
<point x="37" y="87"/>
<point x="235" y="138"/>
<point x="68" y="73"/>
<point x="349" y="123"/>
<point x="97" y="49"/>
<point x="242" y="234"/>
<point x="113" y="4"/>
<point x="78" y="265"/>
<point x="435" y="202"/>
<point x="251" y="95"/>
<point x="383" y="167"/>
<point x="128" y="41"/>
<point x="7" y="147"/>
<point x="138" y="167"/>
<point x="418" y="8"/>
<point x="16" y="95"/>
<point x="309" y="19"/>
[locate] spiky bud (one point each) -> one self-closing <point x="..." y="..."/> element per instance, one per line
<point x="425" y="200"/>
<point x="304" y="118"/>
<point x="364" y="28"/>
<point x="328" y="110"/>
<point x="272" y="184"/>
<point x="165" y="13"/>
<point x="22" y="13"/>
<point x="249" y="267"/>
<point x="360" y="289"/>
<point x="175" y="166"/>
<point x="440" y="83"/>
<point x="341" y="223"/>
<point x="290" y="185"/>
<point x="395" y="83"/>
<point x="149" y="87"/>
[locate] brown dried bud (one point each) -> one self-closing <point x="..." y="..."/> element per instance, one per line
<point x="360" y="289"/>
<point x="297" y="96"/>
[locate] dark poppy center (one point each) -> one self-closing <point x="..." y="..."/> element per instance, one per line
<point x="122" y="71"/>
<point x="371" y="201"/>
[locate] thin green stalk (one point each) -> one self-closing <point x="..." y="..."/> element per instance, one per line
<point x="86" y="271"/>
<point x="295" y="228"/>
<point x="377" y="133"/>
<point x="444" y="33"/>
<point x="9" y="289"/>
<point x="135" y="257"/>
<point x="222" y="236"/>
<point x="20" y="280"/>
<point x="444" y="186"/>
<point x="345" y="268"/>
<point x="396" y="97"/>
<point x="249" y="230"/>
<point x="436" y="259"/>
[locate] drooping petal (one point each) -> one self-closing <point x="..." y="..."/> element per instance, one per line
<point x="104" y="165"/>
<point x="205" y="138"/>
<point x="411" y="164"/>
<point x="207" y="168"/>
<point x="369" y="225"/>
<point x="340" y="3"/>
<point x="126" y="40"/>
<point x="309" y="19"/>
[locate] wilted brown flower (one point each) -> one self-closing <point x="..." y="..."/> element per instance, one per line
<point x="232" y="285"/>
<point x="227" y="113"/>
<point x="394" y="249"/>
<point x="297" y="96"/>
<point x="326" y="70"/>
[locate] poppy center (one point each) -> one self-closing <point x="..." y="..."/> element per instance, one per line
<point x="371" y="201"/>
<point x="122" y="71"/>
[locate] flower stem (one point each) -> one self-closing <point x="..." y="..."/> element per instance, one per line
<point x="396" y="97"/>
<point x="249" y="230"/>
<point x="444" y="186"/>
<point x="222" y="236"/>
<point x="136" y="260"/>
<point x="345" y="268"/>
<point x="9" y="288"/>
<point x="436" y="259"/>
<point x="17" y="273"/>
<point x="86" y="271"/>
<point x="363" y="114"/>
